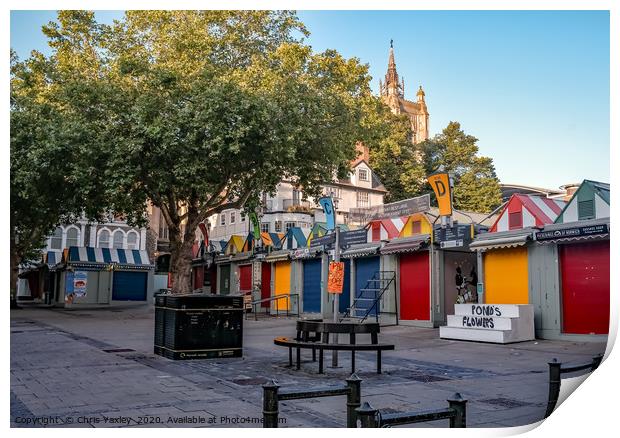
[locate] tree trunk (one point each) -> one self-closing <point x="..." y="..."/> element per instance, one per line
<point x="15" y="261"/>
<point x="181" y="256"/>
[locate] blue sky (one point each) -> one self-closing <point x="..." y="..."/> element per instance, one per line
<point x="532" y="86"/>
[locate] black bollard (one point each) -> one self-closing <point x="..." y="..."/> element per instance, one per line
<point x="460" y="407"/>
<point x="354" y="399"/>
<point x="554" y="385"/>
<point x="270" y="404"/>
<point x="367" y="416"/>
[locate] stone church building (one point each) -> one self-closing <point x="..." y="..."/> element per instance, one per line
<point x="393" y="94"/>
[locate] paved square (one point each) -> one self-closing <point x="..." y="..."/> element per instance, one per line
<point x="67" y="371"/>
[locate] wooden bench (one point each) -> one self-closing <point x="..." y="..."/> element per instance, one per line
<point x="314" y="335"/>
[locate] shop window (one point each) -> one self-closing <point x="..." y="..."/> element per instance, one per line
<point x="515" y="220"/>
<point x="132" y="240"/>
<point x="586" y="209"/>
<point x="117" y="239"/>
<point x="56" y="239"/>
<point x="104" y="239"/>
<point x="73" y="237"/>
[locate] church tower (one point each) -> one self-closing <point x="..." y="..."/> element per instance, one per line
<point x="393" y="95"/>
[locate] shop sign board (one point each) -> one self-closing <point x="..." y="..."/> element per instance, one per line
<point x="450" y="237"/>
<point x="572" y="232"/>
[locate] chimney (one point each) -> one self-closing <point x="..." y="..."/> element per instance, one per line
<point x="362" y="153"/>
<point x="570" y="190"/>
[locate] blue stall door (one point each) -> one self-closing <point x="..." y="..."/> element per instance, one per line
<point x="129" y="286"/>
<point x="312" y="286"/>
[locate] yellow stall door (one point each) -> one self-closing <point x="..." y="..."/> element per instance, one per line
<point x="505" y="276"/>
<point x="282" y="284"/>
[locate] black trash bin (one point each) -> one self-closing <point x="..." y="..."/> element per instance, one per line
<point x="201" y="326"/>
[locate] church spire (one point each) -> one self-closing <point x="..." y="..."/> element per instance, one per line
<point x="391" y="86"/>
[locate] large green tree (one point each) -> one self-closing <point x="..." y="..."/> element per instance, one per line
<point x="52" y="179"/>
<point x="200" y="111"/>
<point x="403" y="166"/>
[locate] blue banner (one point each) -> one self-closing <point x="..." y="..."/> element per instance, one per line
<point x="330" y="214"/>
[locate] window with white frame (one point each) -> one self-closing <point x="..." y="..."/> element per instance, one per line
<point x="233" y="217"/>
<point x="363" y="174"/>
<point x="56" y="239"/>
<point x="289" y="225"/>
<point x="117" y="239"/>
<point x="278" y="226"/>
<point x="334" y="192"/>
<point x="132" y="240"/>
<point x="222" y="219"/>
<point x="104" y="239"/>
<point x="242" y="217"/>
<point x="73" y="237"/>
<point x="163" y="228"/>
<point x="264" y="227"/>
<point x="362" y="199"/>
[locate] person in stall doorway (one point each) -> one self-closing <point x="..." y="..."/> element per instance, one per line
<point x="473" y="280"/>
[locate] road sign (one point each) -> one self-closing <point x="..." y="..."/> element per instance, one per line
<point x="348" y="238"/>
<point x="326" y="240"/>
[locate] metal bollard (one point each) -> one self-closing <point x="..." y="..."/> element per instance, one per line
<point x="554" y="385"/>
<point x="354" y="399"/>
<point x="596" y="361"/>
<point x="367" y="415"/>
<point x="270" y="404"/>
<point x="460" y="406"/>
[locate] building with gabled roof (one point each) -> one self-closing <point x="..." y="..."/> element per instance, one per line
<point x="524" y="211"/>
<point x="590" y="201"/>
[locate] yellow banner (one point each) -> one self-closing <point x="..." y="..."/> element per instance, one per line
<point x="440" y="182"/>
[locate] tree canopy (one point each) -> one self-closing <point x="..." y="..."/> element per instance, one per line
<point x="403" y="166"/>
<point x="197" y="111"/>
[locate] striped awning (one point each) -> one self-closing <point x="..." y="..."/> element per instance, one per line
<point x="52" y="259"/>
<point x="278" y="256"/>
<point x="575" y="239"/>
<point x="106" y="256"/>
<point x="409" y="244"/>
<point x="501" y="242"/>
<point x="361" y="250"/>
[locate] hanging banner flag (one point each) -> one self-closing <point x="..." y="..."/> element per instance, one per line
<point x="205" y="233"/>
<point x="335" y="277"/>
<point x="330" y="214"/>
<point x="440" y="182"/>
<point x="255" y="225"/>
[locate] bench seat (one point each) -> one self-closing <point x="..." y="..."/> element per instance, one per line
<point x="321" y="346"/>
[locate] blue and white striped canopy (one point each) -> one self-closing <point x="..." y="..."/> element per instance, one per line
<point x="87" y="254"/>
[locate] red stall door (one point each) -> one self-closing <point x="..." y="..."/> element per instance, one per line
<point x="199" y="275"/>
<point x="585" y="287"/>
<point x="245" y="278"/>
<point x="265" y="284"/>
<point x="415" y="294"/>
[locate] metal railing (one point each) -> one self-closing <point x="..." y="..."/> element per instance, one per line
<point x="287" y="297"/>
<point x="555" y="378"/>
<point x="456" y="412"/>
<point x="386" y="278"/>
<point x="272" y="396"/>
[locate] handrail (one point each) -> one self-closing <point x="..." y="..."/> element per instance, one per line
<point x="284" y="296"/>
<point x="391" y="279"/>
